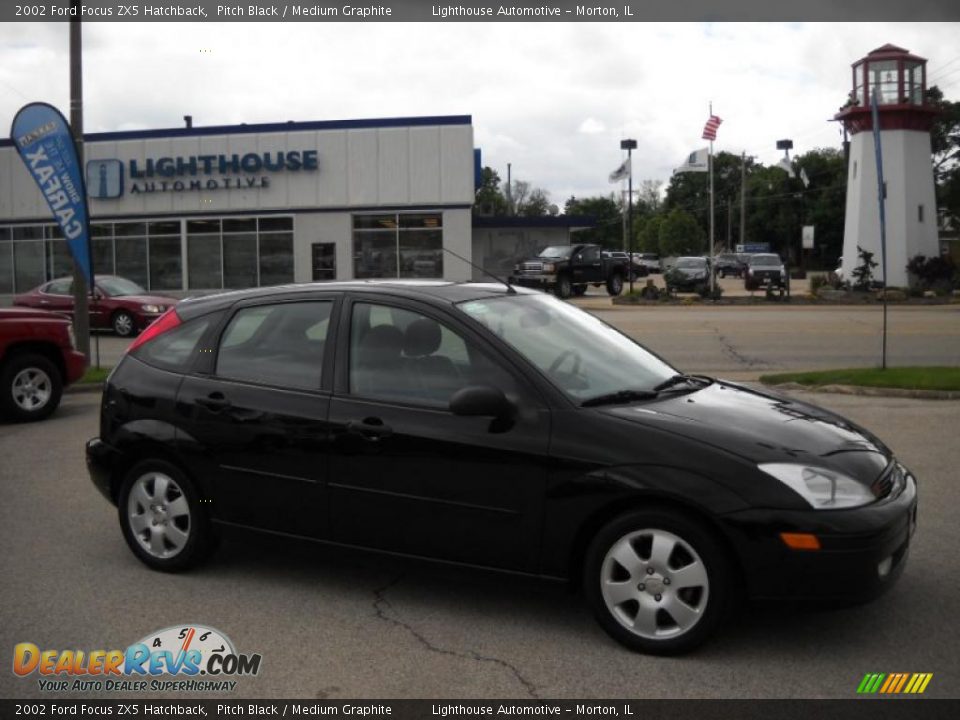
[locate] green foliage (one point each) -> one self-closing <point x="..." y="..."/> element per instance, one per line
<point x="945" y="146"/>
<point x="935" y="273"/>
<point x="913" y="378"/>
<point x="489" y="198"/>
<point x="863" y="272"/>
<point x="680" y="235"/>
<point x="606" y="213"/>
<point x="648" y="234"/>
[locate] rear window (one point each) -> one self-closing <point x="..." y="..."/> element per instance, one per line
<point x="175" y="349"/>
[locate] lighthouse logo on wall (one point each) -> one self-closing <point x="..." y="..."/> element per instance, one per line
<point x="897" y="80"/>
<point x="104" y="179"/>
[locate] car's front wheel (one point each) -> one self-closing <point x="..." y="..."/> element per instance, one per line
<point x="564" y="287"/>
<point x="657" y="581"/>
<point x="615" y="284"/>
<point x="161" y="517"/>
<point x="123" y="324"/>
<point x="31" y="387"/>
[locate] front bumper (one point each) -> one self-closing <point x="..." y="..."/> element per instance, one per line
<point x="863" y="550"/>
<point x="75" y="365"/>
<point x="534" y="281"/>
<point x="102" y="460"/>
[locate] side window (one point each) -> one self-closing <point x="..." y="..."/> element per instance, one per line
<point x="59" y="287"/>
<point x="590" y="254"/>
<point x="174" y="349"/>
<point x="279" y="344"/>
<point x="397" y="354"/>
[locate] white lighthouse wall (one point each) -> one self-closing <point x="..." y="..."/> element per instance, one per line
<point x="908" y="173"/>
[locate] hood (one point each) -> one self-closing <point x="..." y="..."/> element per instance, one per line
<point x="24" y="313"/>
<point x="763" y="427"/>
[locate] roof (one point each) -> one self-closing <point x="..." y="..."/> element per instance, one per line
<point x="437" y="292"/>
<point x="289" y="126"/>
<point x="549" y="221"/>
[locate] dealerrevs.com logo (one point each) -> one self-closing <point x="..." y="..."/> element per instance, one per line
<point x="197" y="658"/>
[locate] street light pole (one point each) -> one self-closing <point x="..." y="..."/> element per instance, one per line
<point x="629" y="145"/>
<point x="81" y="308"/>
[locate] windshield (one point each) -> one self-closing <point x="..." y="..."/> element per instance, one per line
<point x="117" y="287"/>
<point x="691" y="263"/>
<point x="581" y="355"/>
<point x="557" y="251"/>
<point x="765" y="260"/>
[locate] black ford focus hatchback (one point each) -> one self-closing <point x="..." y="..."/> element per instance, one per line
<point x="495" y="427"/>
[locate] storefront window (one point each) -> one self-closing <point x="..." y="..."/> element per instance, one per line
<point x="394" y="245"/>
<point x="59" y="260"/>
<point x="239" y="259"/>
<point x="6" y="261"/>
<point x="132" y="259"/>
<point x="203" y="262"/>
<point x="28" y="262"/>
<point x="166" y="263"/>
<point x="276" y="258"/>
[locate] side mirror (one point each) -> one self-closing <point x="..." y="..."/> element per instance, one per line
<point x="481" y="401"/>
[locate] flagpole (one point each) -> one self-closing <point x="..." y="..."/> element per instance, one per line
<point x="710" y="263"/>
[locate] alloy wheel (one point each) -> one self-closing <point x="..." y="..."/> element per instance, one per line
<point x="159" y="515"/>
<point x="32" y="389"/>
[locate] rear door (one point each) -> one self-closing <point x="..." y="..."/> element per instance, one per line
<point x="259" y="414"/>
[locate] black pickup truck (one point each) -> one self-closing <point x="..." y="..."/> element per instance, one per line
<point x="568" y="270"/>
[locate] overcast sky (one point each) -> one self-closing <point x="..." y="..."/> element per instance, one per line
<point x="552" y="99"/>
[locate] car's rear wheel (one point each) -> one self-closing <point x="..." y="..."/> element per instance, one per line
<point x="615" y="284"/>
<point x="123" y="324"/>
<point x="161" y="517"/>
<point x="31" y="387"/>
<point x="658" y="581"/>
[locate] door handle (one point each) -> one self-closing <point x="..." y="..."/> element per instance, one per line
<point x="371" y="429"/>
<point x="214" y="402"/>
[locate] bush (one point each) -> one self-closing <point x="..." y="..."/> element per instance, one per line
<point x="863" y="273"/>
<point x="817" y="282"/>
<point x="705" y="293"/>
<point x="936" y="273"/>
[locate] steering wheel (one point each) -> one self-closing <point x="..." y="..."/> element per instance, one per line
<point x="561" y="358"/>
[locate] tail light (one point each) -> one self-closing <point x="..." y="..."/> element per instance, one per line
<point x="168" y="321"/>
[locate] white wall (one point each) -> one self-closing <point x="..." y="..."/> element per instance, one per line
<point x="909" y="177"/>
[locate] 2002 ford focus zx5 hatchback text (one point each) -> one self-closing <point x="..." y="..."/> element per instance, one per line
<point x="497" y="427"/>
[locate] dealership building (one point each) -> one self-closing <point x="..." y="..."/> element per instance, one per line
<point x="197" y="209"/>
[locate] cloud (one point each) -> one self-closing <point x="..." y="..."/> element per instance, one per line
<point x="591" y="126"/>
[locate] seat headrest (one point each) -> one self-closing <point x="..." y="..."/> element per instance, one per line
<point x="421" y="338"/>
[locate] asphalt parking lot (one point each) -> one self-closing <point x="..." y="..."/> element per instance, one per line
<point x="331" y="623"/>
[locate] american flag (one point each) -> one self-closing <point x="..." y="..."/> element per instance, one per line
<point x="710" y="129"/>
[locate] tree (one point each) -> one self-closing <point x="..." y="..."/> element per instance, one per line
<point x="605" y="212"/>
<point x="680" y="235"/>
<point x="823" y="203"/>
<point x="489" y="198"/>
<point x="945" y="147"/>
<point x="535" y="204"/>
<point x="648" y="234"/>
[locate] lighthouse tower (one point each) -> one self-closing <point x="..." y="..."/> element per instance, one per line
<point x="898" y="79"/>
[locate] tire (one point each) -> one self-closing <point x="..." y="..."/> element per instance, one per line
<point x="31" y="388"/>
<point x="655" y="549"/>
<point x="579" y="290"/>
<point x="615" y="284"/>
<point x="564" y="287"/>
<point x="123" y="323"/>
<point x="722" y="274"/>
<point x="183" y="537"/>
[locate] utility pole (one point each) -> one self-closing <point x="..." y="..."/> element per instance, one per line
<point x="629" y="145"/>
<point x="743" y="196"/>
<point x="81" y="307"/>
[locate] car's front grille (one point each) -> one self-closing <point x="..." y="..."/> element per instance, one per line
<point x="531" y="267"/>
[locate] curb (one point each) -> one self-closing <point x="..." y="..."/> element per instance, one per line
<point x="868" y="391"/>
<point x="84" y="388"/>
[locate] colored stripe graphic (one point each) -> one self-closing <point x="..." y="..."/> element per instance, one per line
<point x="894" y="683"/>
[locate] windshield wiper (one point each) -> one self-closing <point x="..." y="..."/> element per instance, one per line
<point x="621" y="396"/>
<point x="680" y="379"/>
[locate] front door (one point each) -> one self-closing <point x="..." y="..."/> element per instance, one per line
<point x="407" y="475"/>
<point x="261" y="417"/>
<point x="323" y="258"/>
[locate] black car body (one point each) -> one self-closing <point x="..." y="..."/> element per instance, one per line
<point x="568" y="270"/>
<point x="688" y="274"/>
<point x="765" y="270"/>
<point x="494" y="427"/>
<point x="728" y="264"/>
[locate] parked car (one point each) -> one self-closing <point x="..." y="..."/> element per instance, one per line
<point x="117" y="303"/>
<point x="765" y="270"/>
<point x="38" y="357"/>
<point x="569" y="269"/>
<point x="728" y="264"/>
<point x="688" y="274"/>
<point x="651" y="261"/>
<point x="499" y="427"/>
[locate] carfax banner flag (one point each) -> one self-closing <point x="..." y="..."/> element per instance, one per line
<point x="42" y="137"/>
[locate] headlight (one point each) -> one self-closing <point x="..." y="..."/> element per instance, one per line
<point x="152" y="308"/>
<point x="549" y="267"/>
<point x="823" y="489"/>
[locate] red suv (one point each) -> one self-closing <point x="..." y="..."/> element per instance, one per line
<point x="37" y="358"/>
<point x="117" y="303"/>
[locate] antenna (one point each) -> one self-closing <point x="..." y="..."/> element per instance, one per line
<point x="510" y="289"/>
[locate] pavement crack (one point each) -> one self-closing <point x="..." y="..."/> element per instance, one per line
<point x="730" y="351"/>
<point x="385" y="611"/>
